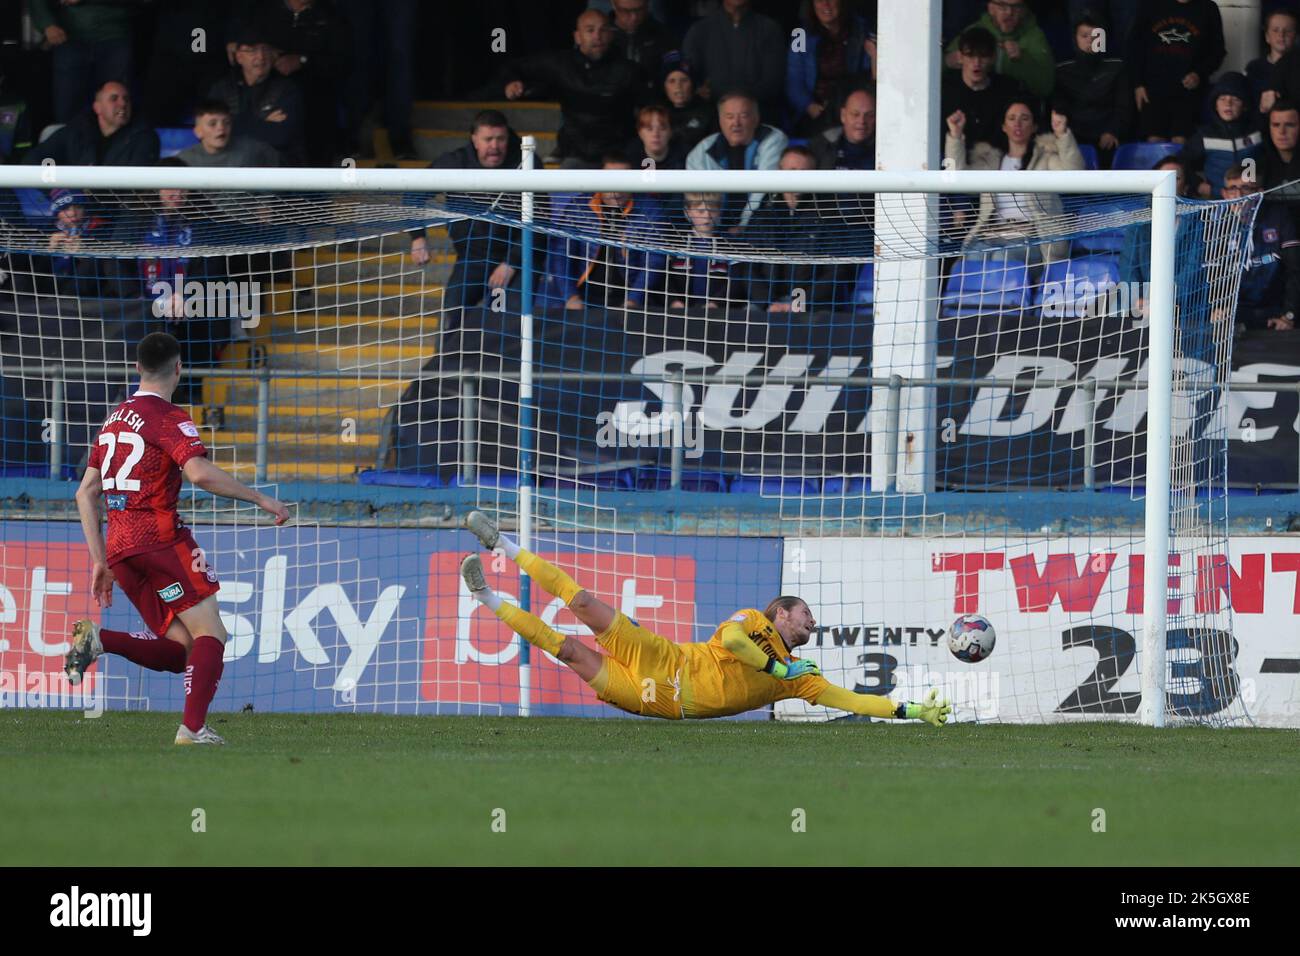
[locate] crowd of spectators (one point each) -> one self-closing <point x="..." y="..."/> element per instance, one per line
<point x="717" y="85"/>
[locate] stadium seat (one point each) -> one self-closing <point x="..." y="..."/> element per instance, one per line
<point x="399" y="479"/>
<point x="621" y="480"/>
<point x="502" y="479"/>
<point x="1111" y="240"/>
<point x="774" y="485"/>
<point x="844" y="485"/>
<point x="1072" y="282"/>
<point x="980" y="285"/>
<point x="173" y="139"/>
<point x="1089" y="155"/>
<point x="864" y="293"/>
<point x="660" y="479"/>
<point x="1143" y="155"/>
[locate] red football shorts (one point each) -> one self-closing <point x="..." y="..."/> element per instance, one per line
<point x="166" y="581"/>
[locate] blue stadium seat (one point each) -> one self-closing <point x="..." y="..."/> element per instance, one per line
<point x="1089" y="155"/>
<point x="773" y="485"/>
<point x="864" y="293"/>
<point x="1143" y="155"/>
<point x="399" y="479"/>
<point x="1112" y="240"/>
<point x="660" y="479"/>
<point x="845" y="485"/>
<point x="1069" y="284"/>
<point x="173" y="139"/>
<point x="621" y="480"/>
<point x="503" y="479"/>
<point x="979" y="285"/>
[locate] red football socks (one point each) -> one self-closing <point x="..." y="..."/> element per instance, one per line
<point x="143" y="648"/>
<point x="201" y="677"/>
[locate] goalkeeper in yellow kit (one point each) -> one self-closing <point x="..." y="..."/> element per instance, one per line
<point x="747" y="663"/>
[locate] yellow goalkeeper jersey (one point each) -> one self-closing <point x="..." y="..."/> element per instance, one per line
<point x="718" y="683"/>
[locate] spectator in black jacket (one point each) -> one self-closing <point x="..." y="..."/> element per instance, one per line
<point x="1279" y="164"/>
<point x="655" y="146"/>
<point x="737" y="49"/>
<point x="1279" y="37"/>
<point x="1270" y="286"/>
<point x="312" y="47"/>
<point x="487" y="257"/>
<point x="264" y="105"/>
<point x="692" y="117"/>
<point x="980" y="94"/>
<point x="1176" y="45"/>
<point x="106" y="136"/>
<point x="1093" y="89"/>
<point x="641" y="40"/>
<point x="852" y="144"/>
<point x="596" y="91"/>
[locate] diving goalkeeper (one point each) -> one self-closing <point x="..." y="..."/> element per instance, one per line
<point x="747" y="664"/>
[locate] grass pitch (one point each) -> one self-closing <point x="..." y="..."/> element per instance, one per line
<point x="363" y="789"/>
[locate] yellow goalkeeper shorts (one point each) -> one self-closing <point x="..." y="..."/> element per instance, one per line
<point x="642" y="673"/>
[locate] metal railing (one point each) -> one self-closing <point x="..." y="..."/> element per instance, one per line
<point x="676" y="382"/>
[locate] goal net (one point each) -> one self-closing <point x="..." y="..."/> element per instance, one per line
<point x="903" y="405"/>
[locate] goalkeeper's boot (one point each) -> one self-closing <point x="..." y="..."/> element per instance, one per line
<point x="204" y="735"/>
<point x="471" y="569"/>
<point x="86" y="647"/>
<point x="482" y="528"/>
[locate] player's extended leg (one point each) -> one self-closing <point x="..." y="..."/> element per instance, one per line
<point x="203" y="670"/>
<point x="89" y="641"/>
<point x="588" y="608"/>
<point x="581" y="659"/>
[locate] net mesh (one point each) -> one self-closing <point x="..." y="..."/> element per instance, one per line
<point x="733" y="397"/>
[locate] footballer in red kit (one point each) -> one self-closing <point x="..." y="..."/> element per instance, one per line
<point x="136" y="464"/>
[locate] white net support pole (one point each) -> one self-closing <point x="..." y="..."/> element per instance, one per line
<point x="904" y="337"/>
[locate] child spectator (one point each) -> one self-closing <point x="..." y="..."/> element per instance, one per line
<point x="1175" y="47"/>
<point x="701" y="277"/>
<point x="655" y="146"/>
<point x="1279" y="37"/>
<point x="691" y="116"/>
<point x="217" y="145"/>
<point x="75" y="226"/>
<point x="1230" y="138"/>
<point x="1093" y="90"/>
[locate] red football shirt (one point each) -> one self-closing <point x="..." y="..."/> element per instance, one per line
<point x="139" y="452"/>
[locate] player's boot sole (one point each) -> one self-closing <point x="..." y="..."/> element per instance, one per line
<point x="471" y="569"/>
<point x="481" y="526"/>
<point x="85" y="648"/>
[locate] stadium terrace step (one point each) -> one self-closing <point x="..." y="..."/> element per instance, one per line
<point x="343" y="329"/>
<point x="245" y="469"/>
<point x="299" y="391"/>
<point x="329" y="255"/>
<point x="432" y="143"/>
<point x="398" y="360"/>
<point x="304" y="417"/>
<point x="443" y="115"/>
<point x="437" y="272"/>
<point x="304" y="443"/>
<point x="386" y="299"/>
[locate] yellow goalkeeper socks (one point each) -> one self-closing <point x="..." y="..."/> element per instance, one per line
<point x="530" y="628"/>
<point x="551" y="578"/>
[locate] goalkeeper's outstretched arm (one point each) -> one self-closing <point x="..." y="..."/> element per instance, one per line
<point x="932" y="710"/>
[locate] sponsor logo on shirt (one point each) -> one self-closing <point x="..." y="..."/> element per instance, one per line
<point x="1270" y="235"/>
<point x="116" y="502"/>
<point x="171" y="592"/>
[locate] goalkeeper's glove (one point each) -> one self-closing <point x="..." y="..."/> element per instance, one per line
<point x="791" y="670"/>
<point x="932" y="710"/>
